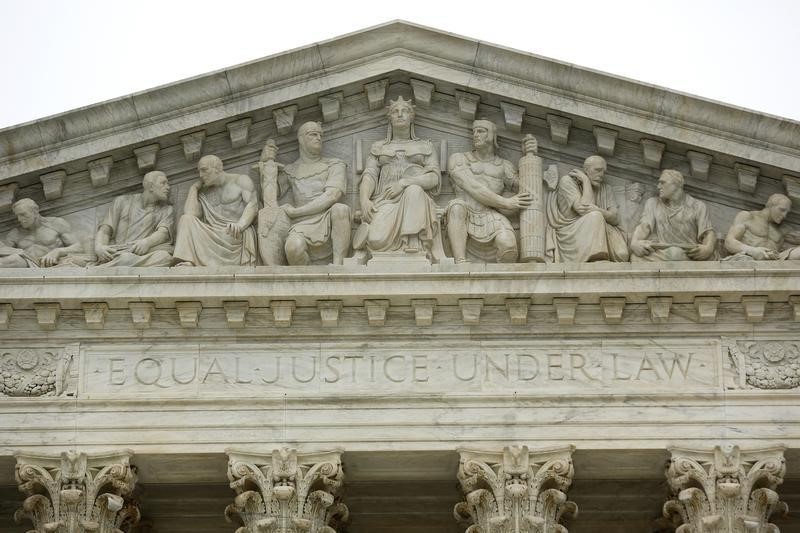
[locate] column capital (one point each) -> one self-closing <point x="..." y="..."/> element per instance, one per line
<point x="724" y="489"/>
<point x="286" y="491"/>
<point x="516" y="490"/>
<point x="77" y="491"/>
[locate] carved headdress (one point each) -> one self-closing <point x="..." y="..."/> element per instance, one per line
<point x="393" y="104"/>
<point x="490" y="127"/>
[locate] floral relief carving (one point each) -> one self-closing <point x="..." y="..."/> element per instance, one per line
<point x="35" y="371"/>
<point x="767" y="364"/>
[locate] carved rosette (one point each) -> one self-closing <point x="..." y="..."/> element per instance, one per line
<point x="724" y="491"/>
<point x="34" y="371"/>
<point x="286" y="492"/>
<point x="767" y="364"/>
<point x="516" y="491"/>
<point x="76" y="492"/>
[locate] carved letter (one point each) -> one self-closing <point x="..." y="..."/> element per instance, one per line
<point x="215" y="369"/>
<point x="474" y="368"/>
<point x="154" y="364"/>
<point x="113" y="370"/>
<point x="333" y="369"/>
<point x="386" y="368"/>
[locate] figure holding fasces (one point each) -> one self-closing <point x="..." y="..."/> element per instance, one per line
<point x="584" y="219"/>
<point x="39" y="241"/>
<point x="477" y="219"/>
<point x="137" y="230"/>
<point x="216" y="227"/>
<point x="758" y="236"/>
<point x="401" y="173"/>
<point x="319" y="228"/>
<point x="674" y="226"/>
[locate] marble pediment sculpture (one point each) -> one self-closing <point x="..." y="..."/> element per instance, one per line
<point x="583" y="217"/>
<point x="477" y="218"/>
<point x="216" y="227"/>
<point x="138" y="228"/>
<point x="315" y="227"/>
<point x="674" y="225"/>
<point x="758" y="235"/>
<point x="400" y="391"/>
<point x="39" y="241"/>
<point x="415" y="167"/>
<point x="396" y="191"/>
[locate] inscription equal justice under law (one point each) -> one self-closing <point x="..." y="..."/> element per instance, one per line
<point x="540" y="367"/>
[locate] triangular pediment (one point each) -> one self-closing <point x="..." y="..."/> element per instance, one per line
<point x="408" y="368"/>
<point x="73" y="164"/>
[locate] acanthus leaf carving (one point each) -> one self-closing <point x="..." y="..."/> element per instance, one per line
<point x="286" y="492"/>
<point x="726" y="490"/>
<point x="767" y="364"/>
<point x="77" y="492"/>
<point x="30" y="372"/>
<point x="515" y="491"/>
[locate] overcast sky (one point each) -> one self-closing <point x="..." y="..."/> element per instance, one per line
<point x="59" y="55"/>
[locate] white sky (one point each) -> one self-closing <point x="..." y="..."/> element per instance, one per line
<point x="59" y="55"/>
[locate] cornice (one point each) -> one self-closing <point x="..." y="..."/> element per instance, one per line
<point x="399" y="46"/>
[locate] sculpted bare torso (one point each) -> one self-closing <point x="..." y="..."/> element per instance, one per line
<point x="759" y="231"/>
<point x="229" y="197"/>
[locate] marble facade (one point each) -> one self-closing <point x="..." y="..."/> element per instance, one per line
<point x="411" y="388"/>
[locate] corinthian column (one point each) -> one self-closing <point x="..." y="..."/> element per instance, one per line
<point x="516" y="490"/>
<point x="726" y="490"/>
<point x="76" y="493"/>
<point x="286" y="492"/>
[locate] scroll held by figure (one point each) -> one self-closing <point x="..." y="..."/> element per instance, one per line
<point x="315" y="227"/>
<point x="758" y="235"/>
<point x="477" y="218"/>
<point x="137" y="230"/>
<point x="216" y="227"/>
<point x="674" y="226"/>
<point x="401" y="174"/>
<point x="39" y="241"/>
<point x="583" y="217"/>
